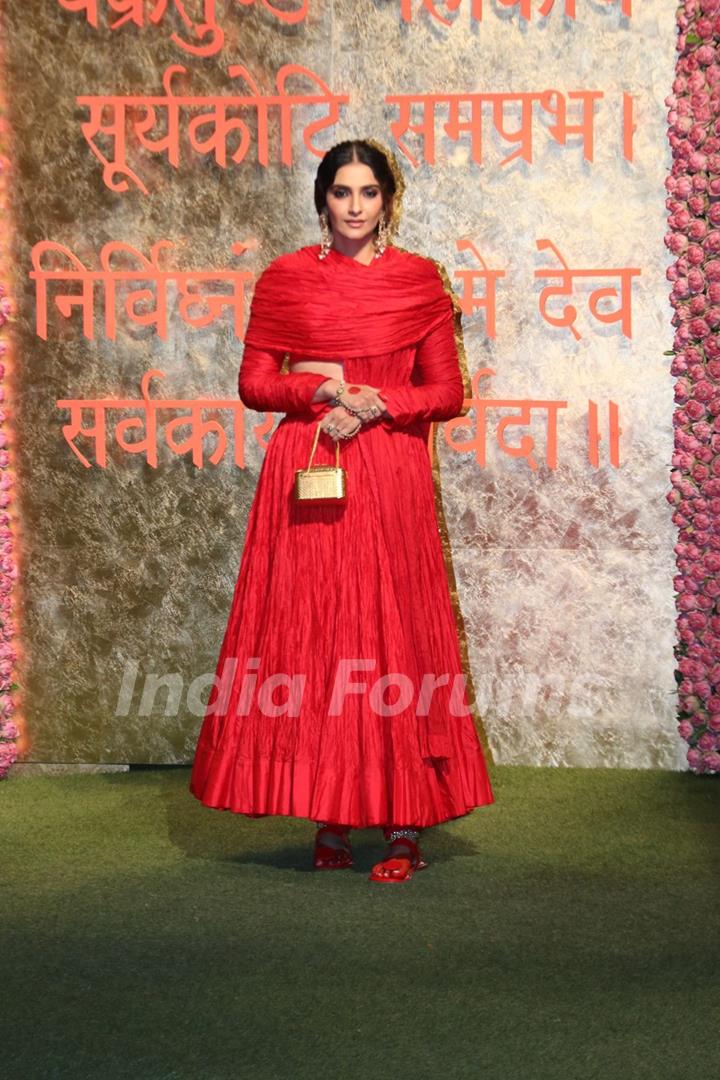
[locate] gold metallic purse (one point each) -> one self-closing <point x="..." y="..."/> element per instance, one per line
<point x="321" y="483"/>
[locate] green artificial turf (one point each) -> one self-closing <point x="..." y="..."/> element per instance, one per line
<point x="568" y="931"/>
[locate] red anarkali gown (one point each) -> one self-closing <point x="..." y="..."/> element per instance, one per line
<point x="359" y="587"/>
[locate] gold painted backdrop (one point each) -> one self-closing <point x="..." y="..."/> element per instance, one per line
<point x="564" y="574"/>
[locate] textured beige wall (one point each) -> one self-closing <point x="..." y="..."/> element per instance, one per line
<point x="564" y="577"/>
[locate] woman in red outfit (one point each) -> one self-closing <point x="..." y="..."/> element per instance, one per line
<point x="341" y="696"/>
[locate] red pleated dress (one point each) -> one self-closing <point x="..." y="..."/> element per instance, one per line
<point x="341" y="615"/>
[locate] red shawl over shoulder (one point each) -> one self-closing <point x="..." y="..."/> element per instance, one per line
<point x="340" y="308"/>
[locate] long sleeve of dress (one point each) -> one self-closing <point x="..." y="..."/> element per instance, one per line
<point x="440" y="393"/>
<point x="262" y="387"/>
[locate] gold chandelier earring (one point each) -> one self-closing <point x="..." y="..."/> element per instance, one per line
<point x="325" y="235"/>
<point x="383" y="235"/>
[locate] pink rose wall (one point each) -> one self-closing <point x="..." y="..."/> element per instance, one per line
<point x="694" y="205"/>
<point x="563" y="551"/>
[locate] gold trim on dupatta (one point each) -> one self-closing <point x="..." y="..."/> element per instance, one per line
<point x="393" y="225"/>
<point x="440" y="509"/>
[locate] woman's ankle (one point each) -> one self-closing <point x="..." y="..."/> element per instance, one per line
<point x="401" y="832"/>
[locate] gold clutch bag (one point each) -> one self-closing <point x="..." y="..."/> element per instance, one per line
<point x="321" y="483"/>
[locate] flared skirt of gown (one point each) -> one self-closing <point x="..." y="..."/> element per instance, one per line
<point x="340" y="615"/>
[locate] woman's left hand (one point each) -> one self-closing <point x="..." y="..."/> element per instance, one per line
<point x="338" y="423"/>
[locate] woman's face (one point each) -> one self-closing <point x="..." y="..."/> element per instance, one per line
<point x="354" y="201"/>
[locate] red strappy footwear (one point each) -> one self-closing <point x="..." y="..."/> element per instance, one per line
<point x="326" y="857"/>
<point x="397" y="868"/>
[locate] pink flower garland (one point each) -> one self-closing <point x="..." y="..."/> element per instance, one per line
<point x="694" y="220"/>
<point x="8" y="569"/>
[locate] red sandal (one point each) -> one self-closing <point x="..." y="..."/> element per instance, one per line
<point x="327" y="857"/>
<point x="397" y="868"/>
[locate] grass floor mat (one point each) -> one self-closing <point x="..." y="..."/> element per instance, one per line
<point x="567" y="932"/>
